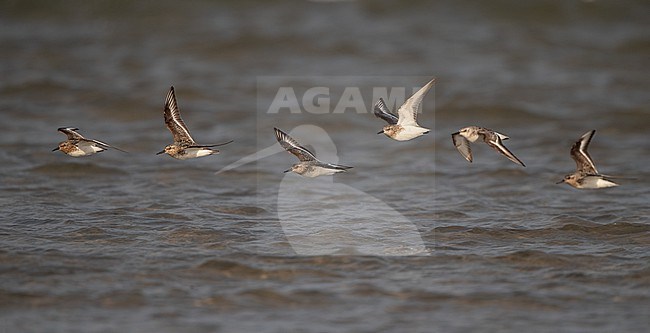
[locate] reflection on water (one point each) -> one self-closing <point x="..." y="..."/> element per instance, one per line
<point x="140" y="242"/>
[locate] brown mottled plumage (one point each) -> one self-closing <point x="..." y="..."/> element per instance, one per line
<point x="184" y="146"/>
<point x="586" y="176"/>
<point x="77" y="146"/>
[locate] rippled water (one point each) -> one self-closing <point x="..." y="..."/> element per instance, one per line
<point x="412" y="239"/>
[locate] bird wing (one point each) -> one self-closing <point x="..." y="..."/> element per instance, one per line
<point x="381" y="111"/>
<point x="292" y="146"/>
<point x="579" y="153"/>
<point x="104" y="144"/>
<point x="212" y="145"/>
<point x="334" y="166"/>
<point x="173" y="120"/>
<point x="408" y="112"/>
<point x="462" y="144"/>
<point x="71" y="133"/>
<point x="495" y="142"/>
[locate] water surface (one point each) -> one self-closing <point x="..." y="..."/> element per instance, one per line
<point x="139" y="242"/>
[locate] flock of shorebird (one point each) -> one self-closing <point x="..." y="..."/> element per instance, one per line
<point x="402" y="126"/>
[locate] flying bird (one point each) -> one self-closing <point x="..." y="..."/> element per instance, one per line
<point x="77" y="146"/>
<point x="184" y="146"/>
<point x="586" y="175"/>
<point x="403" y="126"/>
<point x="309" y="165"/>
<point x="463" y="137"/>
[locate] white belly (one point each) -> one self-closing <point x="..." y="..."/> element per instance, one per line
<point x="78" y="153"/>
<point x="591" y="182"/>
<point x="85" y="149"/>
<point x="410" y="132"/>
<point x="197" y="152"/>
<point x="319" y="171"/>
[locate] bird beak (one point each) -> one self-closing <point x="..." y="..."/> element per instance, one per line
<point x="55" y="149"/>
<point x="160" y="152"/>
<point x="380" y="132"/>
<point x="452" y="134"/>
<point x="560" y="182"/>
<point x="285" y="171"/>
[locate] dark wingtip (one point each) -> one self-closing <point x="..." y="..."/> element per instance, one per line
<point x="223" y="144"/>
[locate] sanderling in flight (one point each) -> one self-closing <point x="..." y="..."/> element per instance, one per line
<point x="403" y="126"/>
<point x="309" y="165"/>
<point x="184" y="147"/>
<point x="463" y="137"/>
<point x="586" y="175"/>
<point x="77" y="145"/>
